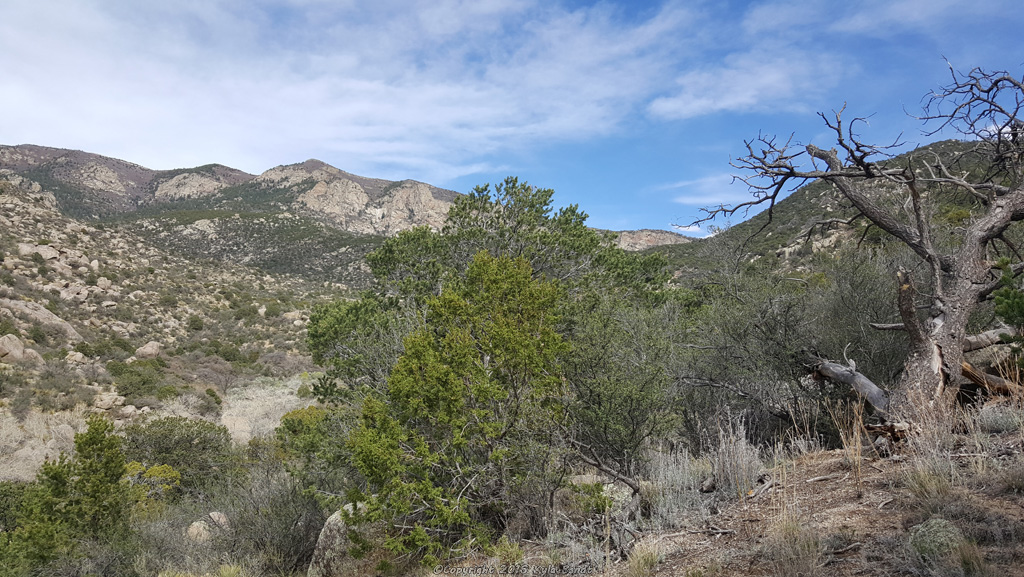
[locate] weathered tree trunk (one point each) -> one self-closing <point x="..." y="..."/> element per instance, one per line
<point x="875" y="396"/>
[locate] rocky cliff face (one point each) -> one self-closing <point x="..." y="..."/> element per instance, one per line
<point x="362" y="205"/>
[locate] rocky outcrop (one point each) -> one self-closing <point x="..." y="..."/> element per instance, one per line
<point x="35" y="312"/>
<point x="359" y="204"/>
<point x="191" y="185"/>
<point x="636" y="240"/>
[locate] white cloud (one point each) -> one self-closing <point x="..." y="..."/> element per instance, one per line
<point x="708" y="191"/>
<point x="433" y="87"/>
<point x="780" y="78"/>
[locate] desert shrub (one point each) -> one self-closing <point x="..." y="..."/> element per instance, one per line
<point x="37" y="334"/>
<point x="195" y="323"/>
<point x="308" y="440"/>
<point x="199" y="450"/>
<point x="7" y="326"/>
<point x="138" y="379"/>
<point x="272" y="523"/>
<point x="21" y="403"/>
<point x="167" y="392"/>
<point x="672" y="493"/>
<point x="1013" y="479"/>
<point x="737" y="463"/>
<point x="105" y="347"/>
<point x="8" y="279"/>
<point x="212" y="394"/>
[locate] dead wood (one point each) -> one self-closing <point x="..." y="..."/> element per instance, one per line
<point x="847" y="375"/>
<point x="991" y="383"/>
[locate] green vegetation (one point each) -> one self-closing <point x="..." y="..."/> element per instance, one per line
<point x="74" y="501"/>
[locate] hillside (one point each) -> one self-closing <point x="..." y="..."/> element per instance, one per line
<point x="793" y="232"/>
<point x="78" y="301"/>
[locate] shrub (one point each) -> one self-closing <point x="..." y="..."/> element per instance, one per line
<point x="138" y="379"/>
<point x="11" y="496"/>
<point x="7" y="326"/>
<point x="167" y="392"/>
<point x="795" y="549"/>
<point x="195" y="323"/>
<point x="213" y="395"/>
<point x="935" y="539"/>
<point x="74" y="500"/>
<point x="470" y="405"/>
<point x="199" y="450"/>
<point x="37" y="334"/>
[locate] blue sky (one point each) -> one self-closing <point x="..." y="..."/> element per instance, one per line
<point x="630" y="109"/>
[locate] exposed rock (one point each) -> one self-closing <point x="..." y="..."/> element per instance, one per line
<point x="107" y="401"/>
<point x="45" y="251"/>
<point x="188" y="185"/>
<point x="76" y="357"/>
<point x="75" y="293"/>
<point x="220" y="520"/>
<point x="149" y="350"/>
<point x="37" y="313"/>
<point x="198" y="532"/>
<point x="330" y="557"/>
<point x="11" y="349"/>
<point x="104" y="283"/>
<point x="97" y="176"/>
<point x="32" y="357"/>
<point x="646" y="238"/>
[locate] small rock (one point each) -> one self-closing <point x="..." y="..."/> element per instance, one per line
<point x="149" y="350"/>
<point x="198" y="532"/>
<point x="94" y="265"/>
<point x="220" y="520"/>
<point x="104" y="283"/>
<point x="76" y="357"/>
<point x="108" y="304"/>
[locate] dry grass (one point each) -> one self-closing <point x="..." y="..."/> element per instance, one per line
<point x="672" y="491"/>
<point x="644" y="557"/>
<point x="737" y="463"/>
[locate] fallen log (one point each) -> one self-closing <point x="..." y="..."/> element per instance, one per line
<point x="986" y="339"/>
<point x="992" y="383"/>
<point x="875" y="396"/>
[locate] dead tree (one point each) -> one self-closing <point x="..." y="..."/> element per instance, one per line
<point x="984" y="107"/>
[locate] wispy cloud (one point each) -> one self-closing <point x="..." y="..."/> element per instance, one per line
<point x="768" y="77"/>
<point x="387" y="84"/>
<point x="713" y="190"/>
